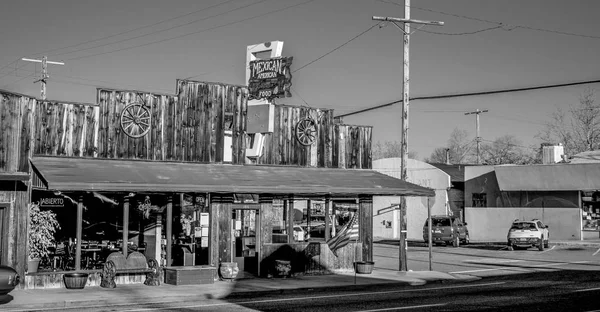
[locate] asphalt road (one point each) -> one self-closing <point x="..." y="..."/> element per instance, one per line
<point x="558" y="279"/>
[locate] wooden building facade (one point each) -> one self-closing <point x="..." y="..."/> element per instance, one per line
<point x="191" y="142"/>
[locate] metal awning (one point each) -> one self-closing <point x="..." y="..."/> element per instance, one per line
<point x="559" y="177"/>
<point x="117" y="175"/>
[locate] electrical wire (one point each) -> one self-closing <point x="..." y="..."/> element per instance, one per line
<point x="462" y="33"/>
<point x="506" y="26"/>
<point x="335" y="49"/>
<point x="447" y="96"/>
<point x="163" y="30"/>
<point x="135" y="29"/>
<point x="193" y="33"/>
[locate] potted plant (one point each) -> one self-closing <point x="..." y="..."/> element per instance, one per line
<point x="40" y="235"/>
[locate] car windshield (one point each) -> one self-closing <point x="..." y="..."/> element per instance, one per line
<point x="523" y="226"/>
<point x="440" y="222"/>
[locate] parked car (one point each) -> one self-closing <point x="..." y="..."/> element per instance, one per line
<point x="526" y="234"/>
<point x="446" y="230"/>
<point x="300" y="235"/>
<point x="9" y="279"/>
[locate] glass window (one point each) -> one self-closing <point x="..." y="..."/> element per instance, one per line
<point x="343" y="214"/>
<point x="479" y="200"/>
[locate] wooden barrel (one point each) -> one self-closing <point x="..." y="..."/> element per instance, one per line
<point x="75" y="280"/>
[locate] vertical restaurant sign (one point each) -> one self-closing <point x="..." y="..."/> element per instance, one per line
<point x="270" y="78"/>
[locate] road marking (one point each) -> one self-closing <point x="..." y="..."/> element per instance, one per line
<point x="588" y="289"/>
<point x="406" y="308"/>
<point x="518" y="267"/>
<point x="318" y="297"/>
<point x="596" y="252"/>
<point x="482" y="270"/>
<point x="548" y="249"/>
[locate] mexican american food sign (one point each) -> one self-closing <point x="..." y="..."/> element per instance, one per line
<point x="270" y="78"/>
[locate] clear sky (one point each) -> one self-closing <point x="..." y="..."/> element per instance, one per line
<point x="124" y="45"/>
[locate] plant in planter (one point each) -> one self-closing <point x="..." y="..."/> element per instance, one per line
<point x="40" y="235"/>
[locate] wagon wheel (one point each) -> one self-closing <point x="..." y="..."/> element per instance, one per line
<point x="306" y="131"/>
<point x="135" y="120"/>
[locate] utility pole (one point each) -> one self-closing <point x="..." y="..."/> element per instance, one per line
<point x="44" y="76"/>
<point x="406" y="21"/>
<point x="477" y="138"/>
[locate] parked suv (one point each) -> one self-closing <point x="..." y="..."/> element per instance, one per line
<point x="527" y="234"/>
<point x="446" y="230"/>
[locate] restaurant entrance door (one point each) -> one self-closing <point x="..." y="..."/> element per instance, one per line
<point x="246" y="242"/>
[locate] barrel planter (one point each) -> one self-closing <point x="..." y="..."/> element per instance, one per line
<point x="228" y="270"/>
<point x="364" y="267"/>
<point x="75" y="280"/>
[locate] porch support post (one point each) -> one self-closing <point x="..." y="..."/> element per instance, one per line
<point x="169" y="227"/>
<point x="78" y="233"/>
<point x="125" y="225"/>
<point x="327" y="222"/>
<point x="289" y="205"/>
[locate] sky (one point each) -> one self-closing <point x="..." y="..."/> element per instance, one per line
<point x="484" y="45"/>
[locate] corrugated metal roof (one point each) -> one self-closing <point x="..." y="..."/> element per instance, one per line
<point x="456" y="172"/>
<point x="559" y="177"/>
<point x="93" y="174"/>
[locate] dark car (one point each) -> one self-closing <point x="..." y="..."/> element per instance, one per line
<point x="9" y="279"/>
<point x="446" y="230"/>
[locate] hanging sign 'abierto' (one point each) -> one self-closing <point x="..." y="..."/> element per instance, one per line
<point x="270" y="78"/>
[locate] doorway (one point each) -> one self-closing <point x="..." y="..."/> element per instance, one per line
<point x="246" y="243"/>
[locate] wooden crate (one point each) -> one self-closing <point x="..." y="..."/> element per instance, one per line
<point x="190" y="275"/>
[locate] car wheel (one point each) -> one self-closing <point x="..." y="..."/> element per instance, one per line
<point x="456" y="241"/>
<point x="541" y="244"/>
<point x="511" y="248"/>
<point x="546" y="244"/>
<point x="466" y="240"/>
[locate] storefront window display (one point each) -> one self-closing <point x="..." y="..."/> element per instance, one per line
<point x="590" y="213"/>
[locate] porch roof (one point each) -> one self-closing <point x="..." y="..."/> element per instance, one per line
<point x="117" y="175"/>
<point x="559" y="177"/>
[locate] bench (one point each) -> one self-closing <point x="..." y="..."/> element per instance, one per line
<point x="135" y="263"/>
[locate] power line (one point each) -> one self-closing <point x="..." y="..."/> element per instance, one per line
<point x="462" y="33"/>
<point x="506" y="26"/>
<point x="163" y="30"/>
<point x="195" y="32"/>
<point x="132" y="30"/>
<point x="335" y="49"/>
<point x="446" y="96"/>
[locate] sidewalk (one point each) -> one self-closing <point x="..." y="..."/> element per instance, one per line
<point x="23" y="300"/>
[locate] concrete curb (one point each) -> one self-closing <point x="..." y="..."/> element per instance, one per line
<point x="221" y="293"/>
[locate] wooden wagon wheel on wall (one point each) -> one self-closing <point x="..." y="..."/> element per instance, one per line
<point x="306" y="131"/>
<point x="135" y="120"/>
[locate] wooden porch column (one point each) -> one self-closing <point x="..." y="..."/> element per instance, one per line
<point x="78" y="233"/>
<point x="289" y="205"/>
<point x="169" y="228"/>
<point x="327" y="222"/>
<point x="125" y="225"/>
<point x="365" y="210"/>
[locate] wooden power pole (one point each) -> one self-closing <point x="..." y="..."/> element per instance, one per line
<point x="44" y="76"/>
<point x="406" y="21"/>
<point x="477" y="137"/>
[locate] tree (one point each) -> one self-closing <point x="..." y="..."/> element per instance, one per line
<point x="390" y="149"/>
<point x="506" y="149"/>
<point x="577" y="128"/>
<point x="459" y="146"/>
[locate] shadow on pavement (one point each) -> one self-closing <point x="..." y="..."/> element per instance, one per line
<point x="4" y="299"/>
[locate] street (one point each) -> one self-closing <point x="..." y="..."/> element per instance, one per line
<point x="562" y="278"/>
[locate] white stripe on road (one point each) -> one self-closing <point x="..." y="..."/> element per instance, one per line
<point x="318" y="297"/>
<point x="405" y="308"/>
<point x="588" y="289"/>
<point x="519" y="267"/>
<point x="596" y="252"/>
<point x="548" y="249"/>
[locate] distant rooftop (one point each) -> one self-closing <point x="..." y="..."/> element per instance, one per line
<point x="456" y="172"/>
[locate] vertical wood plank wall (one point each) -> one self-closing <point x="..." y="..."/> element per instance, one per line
<point x="366" y="227"/>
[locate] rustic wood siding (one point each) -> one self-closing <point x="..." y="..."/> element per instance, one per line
<point x="15" y="132"/>
<point x="281" y="146"/>
<point x="15" y="197"/>
<point x="310" y="258"/>
<point x="352" y="146"/>
<point x="366" y="227"/>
